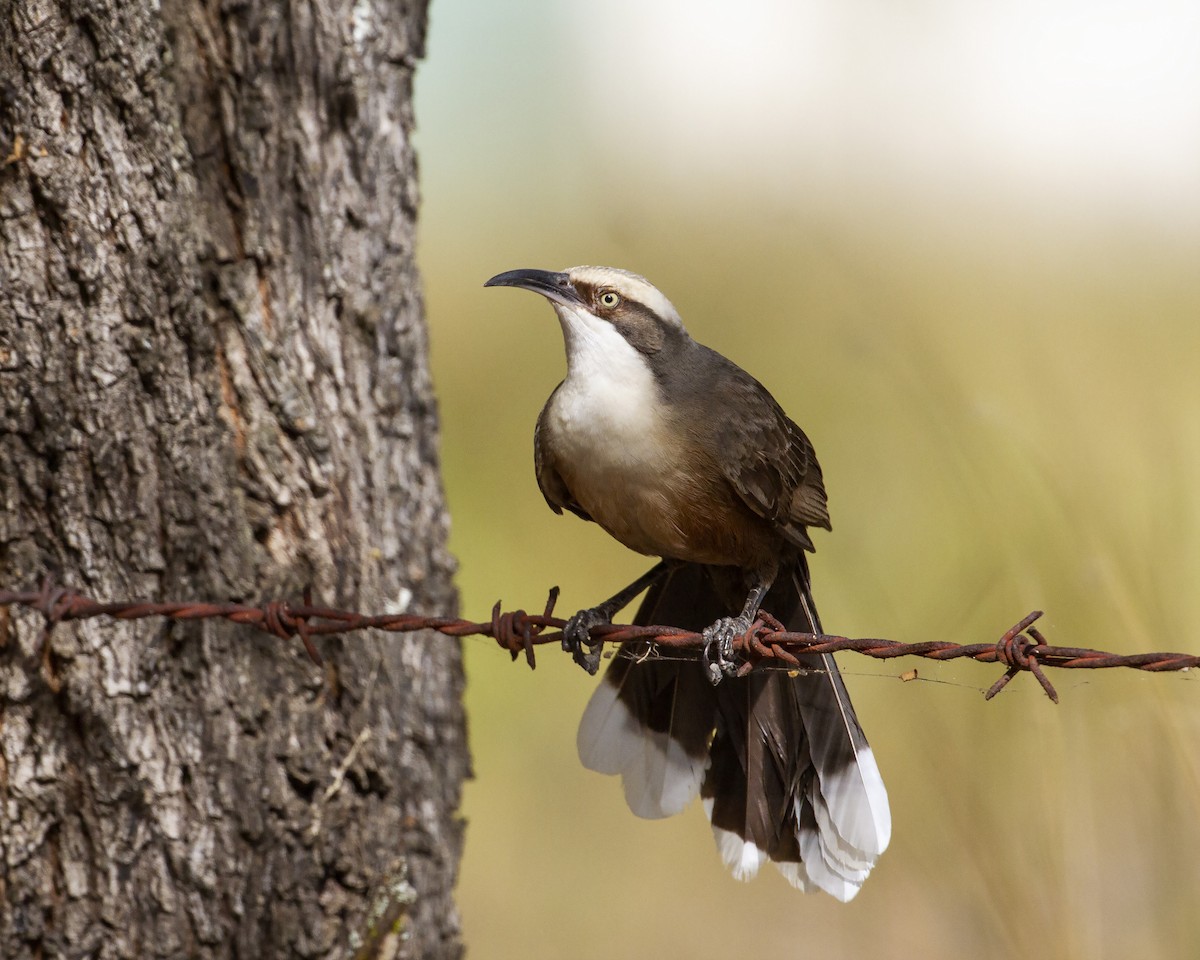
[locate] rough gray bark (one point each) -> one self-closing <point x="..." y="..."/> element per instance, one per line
<point x="213" y="385"/>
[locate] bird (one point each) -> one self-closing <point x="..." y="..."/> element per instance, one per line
<point x="680" y="454"/>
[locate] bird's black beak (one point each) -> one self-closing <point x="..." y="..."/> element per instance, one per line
<point x="556" y="287"/>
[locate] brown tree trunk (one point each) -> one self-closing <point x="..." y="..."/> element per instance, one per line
<point x="213" y="385"/>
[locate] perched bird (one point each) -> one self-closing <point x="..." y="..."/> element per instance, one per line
<point x="680" y="454"/>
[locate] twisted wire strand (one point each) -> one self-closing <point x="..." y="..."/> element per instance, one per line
<point x="1021" y="648"/>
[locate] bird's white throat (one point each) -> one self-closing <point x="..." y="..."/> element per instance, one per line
<point x="607" y="408"/>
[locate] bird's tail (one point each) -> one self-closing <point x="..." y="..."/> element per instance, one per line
<point x="778" y="756"/>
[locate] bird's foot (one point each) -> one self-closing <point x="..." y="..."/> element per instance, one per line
<point x="718" y="657"/>
<point x="577" y="635"/>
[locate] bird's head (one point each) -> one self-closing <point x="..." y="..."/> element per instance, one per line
<point x="594" y="302"/>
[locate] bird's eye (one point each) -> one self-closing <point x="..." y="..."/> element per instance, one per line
<point x="609" y="300"/>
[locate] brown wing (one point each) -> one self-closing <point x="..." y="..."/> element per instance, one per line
<point x="550" y="481"/>
<point x="768" y="460"/>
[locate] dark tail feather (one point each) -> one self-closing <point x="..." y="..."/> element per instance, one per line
<point x="812" y="799"/>
<point x="788" y="776"/>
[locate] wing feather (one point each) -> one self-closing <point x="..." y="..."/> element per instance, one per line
<point x="766" y="457"/>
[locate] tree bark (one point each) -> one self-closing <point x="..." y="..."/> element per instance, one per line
<point x="213" y="385"/>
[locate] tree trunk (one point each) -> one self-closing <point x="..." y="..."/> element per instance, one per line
<point x="213" y="385"/>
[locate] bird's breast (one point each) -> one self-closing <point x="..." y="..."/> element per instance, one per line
<point x="610" y="438"/>
<point x="633" y="472"/>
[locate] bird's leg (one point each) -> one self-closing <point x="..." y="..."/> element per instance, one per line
<point x="718" y="639"/>
<point x="577" y="633"/>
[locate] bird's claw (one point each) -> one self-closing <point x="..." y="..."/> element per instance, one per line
<point x="577" y="638"/>
<point x="718" y="657"/>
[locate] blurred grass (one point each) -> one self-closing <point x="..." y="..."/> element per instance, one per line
<point x="1002" y="388"/>
<point x="1006" y="424"/>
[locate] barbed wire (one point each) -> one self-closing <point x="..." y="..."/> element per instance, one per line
<point x="1021" y="648"/>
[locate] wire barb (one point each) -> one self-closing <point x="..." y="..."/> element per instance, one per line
<point x="1022" y="648"/>
<point x="1019" y="651"/>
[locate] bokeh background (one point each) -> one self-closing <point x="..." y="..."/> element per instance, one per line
<point x="960" y="242"/>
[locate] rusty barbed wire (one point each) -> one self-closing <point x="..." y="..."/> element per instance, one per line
<point x="1021" y="648"/>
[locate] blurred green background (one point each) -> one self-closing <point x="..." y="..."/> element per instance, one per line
<point x="961" y="245"/>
